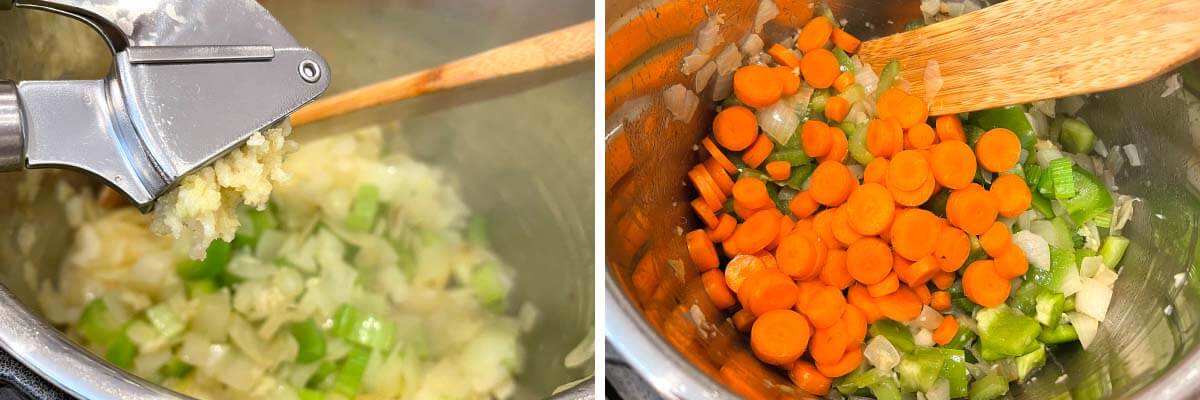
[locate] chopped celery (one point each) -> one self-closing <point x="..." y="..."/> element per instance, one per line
<point x="961" y="339"/>
<point x="861" y="379"/>
<point x="309" y="340"/>
<point x="176" y="368"/>
<point x="888" y="76"/>
<point x="356" y="326"/>
<point x="1112" y="250"/>
<point x="1049" y="307"/>
<point x="1007" y="332"/>
<point x="800" y="174"/>
<point x="165" y="320"/>
<point x="309" y="394"/>
<point x="895" y="333"/>
<point x="1091" y="197"/>
<point x="121" y="352"/>
<point x="853" y="94"/>
<point x="816" y="103"/>
<point x="886" y="390"/>
<point x="349" y="377"/>
<point x="754" y="173"/>
<point x="795" y="157"/>
<point x="202" y="287"/>
<point x="1008" y="117"/>
<point x="216" y="258"/>
<point x="364" y="208"/>
<point x="1030" y="362"/>
<point x="989" y="387"/>
<point x="1064" y="180"/>
<point x="1103" y="220"/>
<point x="489" y="284"/>
<point x="1033" y="174"/>
<point x="844" y="63"/>
<point x="1062" y="333"/>
<point x="1061" y="260"/>
<point x="1076" y="136"/>
<point x="919" y="370"/>
<point x="1041" y="204"/>
<point x="857" y="143"/>
<point x="477" y="230"/>
<point x="323" y="373"/>
<point x="96" y="325"/>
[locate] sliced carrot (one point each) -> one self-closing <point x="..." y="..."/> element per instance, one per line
<point x="724" y="228"/>
<point x="718" y="291"/>
<point x="888" y="103"/>
<point x="834" y="273"/>
<point x="916" y="197"/>
<point x="869" y="260"/>
<point x="972" y="209"/>
<point x="995" y="239"/>
<point x="779" y="337"/>
<point x="767" y="259"/>
<point x="910" y="111"/>
<point x="836" y="108"/>
<point x="735" y="128"/>
<point x="786" y="224"/>
<point x="740" y="268"/>
<point x="839" y="145"/>
<point x="742" y="320"/>
<point x="908" y="170"/>
<point x="806" y="377"/>
<point x="822" y="253"/>
<point x="779" y="170"/>
<point x="856" y="324"/>
<point x="766" y="291"/>
<point x="807" y="288"/>
<point x="940" y="300"/>
<point x="922" y="293"/>
<point x="744" y="212"/>
<point x="840" y="84"/>
<point x="751" y="193"/>
<point x="889" y="284"/>
<point x="718" y="174"/>
<point x="803" y="225"/>
<point x="881" y="137"/>
<point x="716" y="153"/>
<point x="953" y="247"/>
<point x="914" y="233"/>
<point x="706" y="214"/>
<point x="861" y="298"/>
<point x="943" y="280"/>
<point x="922" y="271"/>
<point x="796" y="255"/>
<point x="946" y="331"/>
<point x="876" y="171"/>
<point x="870" y="209"/>
<point x="902" y="267"/>
<point x="823" y="227"/>
<point x="814" y="35"/>
<point x="1011" y="263"/>
<point x="1012" y="193"/>
<point x="824" y="307"/>
<point x="803" y="205"/>
<point x="707" y="187"/>
<point x="758" y="152"/>
<point x="829" y="343"/>
<point x="757" y="86"/>
<point x="791" y="81"/>
<point x="920" y="136"/>
<point x="841" y="227"/>
<point x="784" y="56"/>
<point x="701" y="250"/>
<point x="831" y="183"/>
<point x="949" y="127"/>
<point x="814" y="136"/>
<point x="998" y="150"/>
<point x="849" y="362"/>
<point x="901" y="305"/>
<point x="756" y="232"/>
<point x="820" y="68"/>
<point x="845" y="41"/>
<point x="983" y="285"/>
<point x="952" y="163"/>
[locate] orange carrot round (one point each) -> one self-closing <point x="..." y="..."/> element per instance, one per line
<point x="943" y="280"/>
<point x="876" y="171"/>
<point x="910" y="111"/>
<point x="1011" y="263"/>
<point x="922" y="293"/>
<point x="706" y="214"/>
<point x="908" y="170"/>
<point x="823" y="227"/>
<point x="824" y="307"/>
<point x="1012" y="193"/>
<point x="716" y="288"/>
<point x="757" y="85"/>
<point x="756" y="232"/>
<point x="901" y="305"/>
<point x="920" y="136"/>
<point x="718" y="174"/>
<point x="803" y="205"/>
<point x="831" y="183"/>
<point x="869" y="260"/>
<point x="881" y="137"/>
<point x="914" y="198"/>
<point x="787" y="76"/>
<point x="758" y="152"/>
<point x="779" y="170"/>
<point x="784" y="56"/>
<point x="834" y="273"/>
<point x="889" y="284"/>
<point x="849" y="362"/>
<point x="814" y="35"/>
<point x="786" y="224"/>
<point x="856" y="324"/>
<point x="870" y="209"/>
<point x="946" y="331"/>
<point x="972" y="209"/>
<point x="861" y="298"/>
<point x="806" y="377"/>
<point x="829" y="343"/>
<point x="815" y="137"/>
<point x="998" y="150"/>
<point x="952" y="163"/>
<point x="820" y="68"/>
<point x="836" y="107"/>
<point x="779" y="337"/>
<point x="796" y="255"/>
<point x="752" y="193"/>
<point x="724" y="228"/>
<point x="921" y="271"/>
<point x="995" y="239"/>
<point x="766" y="291"/>
<point x="840" y="84"/>
<point x="953" y="247"/>
<point x="915" y="233"/>
<point x="983" y="285"/>
<point x="719" y="156"/>
<point x="743" y="320"/>
<point x="839" y="145"/>
<point x="807" y="288"/>
<point x="707" y="187"/>
<point x="735" y="128"/>
<point x="845" y="41"/>
<point x="949" y="127"/>
<point x="740" y="268"/>
<point x="841" y="227"/>
<point x="940" y="300"/>
<point x="701" y="250"/>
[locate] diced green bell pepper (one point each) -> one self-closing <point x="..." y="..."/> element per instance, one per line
<point x="895" y="333"/>
<point x="1008" y="117"/>
<point x="1041" y="204"/>
<point x="800" y="174"/>
<point x="861" y="378"/>
<point x="309" y="339"/>
<point x="216" y="258"/>
<point x="1025" y="298"/>
<point x="1091" y="197"/>
<point x="973" y="133"/>
<point x="954" y="369"/>
<point x="176" y="368"/>
<point x="886" y="389"/>
<point x="961" y="339"/>
<point x="1061" y="333"/>
<point x="1060" y="261"/>
<point x="1030" y="362"/>
<point x="121" y="352"/>
<point x="794" y="157"/>
<point x="1007" y="332"/>
<point x="1113" y="249"/>
<point x="989" y="387"/>
<point x="1049" y="307"/>
<point x="887" y="76"/>
<point x="96" y="325"/>
<point x="1076" y="136"/>
<point x="363" y="208"/>
<point x="919" y="370"/>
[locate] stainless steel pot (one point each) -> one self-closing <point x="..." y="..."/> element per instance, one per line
<point x="1145" y="349"/>
<point x="540" y="206"/>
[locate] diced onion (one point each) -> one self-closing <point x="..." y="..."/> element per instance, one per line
<point x="1090" y="266"/>
<point x="1036" y="249"/>
<point x="728" y="60"/>
<point x="1173" y="84"/>
<point x="1135" y="160"/>
<point x="928" y="319"/>
<point x="881" y="353"/>
<point x="751" y="44"/>
<point x="693" y="62"/>
<point x="704" y="75"/>
<point x="923" y="337"/>
<point x="709" y="35"/>
<point x="1041" y="127"/>
<point x="779" y="121"/>
<point x="1026" y="219"/>
<point x="1106" y="276"/>
<point x="867" y="78"/>
<point x="933" y="80"/>
<point x="1085" y="326"/>
<point x="1071" y="105"/>
<point x="1093" y="298"/>
<point x="1045" y="156"/>
<point x="681" y="101"/>
<point x="939" y="391"/>
<point x="929" y="8"/>
<point x="766" y="12"/>
<point x="1071" y="284"/>
<point x="723" y="86"/>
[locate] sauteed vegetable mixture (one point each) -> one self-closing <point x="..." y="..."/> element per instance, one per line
<point x="870" y="248"/>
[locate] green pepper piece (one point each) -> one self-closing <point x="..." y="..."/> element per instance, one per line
<point x="989" y="387"/>
<point x="973" y="133"/>
<point x="1076" y="136"/>
<point x="1060" y="260"/>
<point x="96" y="324"/>
<point x="176" y="368"/>
<point x="1061" y="333"/>
<point x="937" y="203"/>
<point x="1025" y="298"/>
<point x="861" y="379"/>
<point x="1049" y="307"/>
<point x="363" y="208"/>
<point x="800" y="174"/>
<point x="310" y="341"/>
<point x="121" y="352"/>
<point x="887" y="76"/>
<point x="895" y="333"/>
<point x="954" y="369"/>
<point x="309" y="394"/>
<point x="1008" y="117"/>
<point x="961" y="339"/>
<point x="919" y="370"/>
<point x="216" y="258"/>
<point x="857" y="143"/>
<point x="323" y="374"/>
<point x="843" y="59"/>
<point x="794" y="157"/>
<point x="1113" y="249"/>
<point x="1041" y="204"/>
<point x="1091" y="197"/>
<point x="1028" y="363"/>
<point x="886" y="390"/>
<point x="990" y="355"/>
<point x="1007" y="332"/>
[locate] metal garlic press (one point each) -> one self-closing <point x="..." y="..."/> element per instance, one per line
<point x="190" y="81"/>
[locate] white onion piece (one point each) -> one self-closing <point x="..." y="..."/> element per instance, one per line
<point x="954" y="9"/>
<point x="1090" y="266"/>
<point x="1045" y="156"/>
<point x="1093" y="298"/>
<point x="709" y="35"/>
<point x="929" y="8"/>
<point x="728" y="60"/>
<point x="1036" y="249"/>
<point x="1174" y="83"/>
<point x="681" y="101"/>
<point x="856" y="170"/>
<point x="1046" y="107"/>
<point x="779" y="121"/>
<point x="933" y="80"/>
<point x="928" y="319"/>
<point x="1072" y="283"/>
<point x="970" y="6"/>
<point x="1100" y="149"/>
<point x="939" y="391"/>
<point x="1085" y="327"/>
<point x="1107" y="276"/>
<point x="766" y="12"/>
<point x="704" y="75"/>
<point x="1071" y="105"/>
<point x="751" y="44"/>
<point x="723" y="86"/>
<point x="1041" y="127"/>
<point x="1135" y="160"/>
<point x="923" y="337"/>
<point x="693" y="62"/>
<point x="1026" y="219"/>
<point x="866" y="77"/>
<point x="1122" y="213"/>
<point x="881" y="353"/>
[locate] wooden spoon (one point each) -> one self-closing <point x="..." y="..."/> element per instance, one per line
<point x="1026" y="50"/>
<point x="564" y="46"/>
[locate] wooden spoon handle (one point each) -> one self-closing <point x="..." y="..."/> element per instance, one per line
<point x="1026" y="50"/>
<point x="548" y="50"/>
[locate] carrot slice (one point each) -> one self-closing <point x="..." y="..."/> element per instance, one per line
<point x="829" y="343"/>
<point x="1012" y="193"/>
<point x="735" y="128"/>
<point x="849" y="362"/>
<point x="972" y="209"/>
<point x="940" y="300"/>
<point x="920" y="136"/>
<point x="757" y="86"/>
<point x="949" y="127"/>
<point x="856" y="324"/>
<point x="779" y="337"/>
<point x="834" y="273"/>
<point x="751" y="193"/>
<point x="767" y="259"/>
<point x="952" y="163"/>
<point x="953" y="247"/>
<point x="822" y="253"/>
<point x="861" y="298"/>
<point x="744" y="212"/>
<point x="796" y="255"/>
<point x="831" y="183"/>
<point x="836" y="107"/>
<point x="724" y="228"/>
<point x="823" y="227"/>
<point x="742" y="320"/>
<point x="998" y="150"/>
<point x="716" y="288"/>
<point x="1011" y="263"/>
<point x="901" y="305"/>
<point x="921" y="271"/>
<point x="716" y="153"/>
<point x="983" y="285"/>
<point x="814" y="35"/>
<point x="876" y="171"/>
<point x="779" y="170"/>
<point x="869" y="260"/>
<point x="756" y="232"/>
<point x="902" y="267"/>
<point x="784" y="56"/>
<point x="916" y="197"/>
<point x="840" y="84"/>
<point x="845" y="41"/>
<point x="922" y="293"/>
<point x="870" y="209"/>
<point x="946" y="331"/>
<point x="910" y="111"/>
<point x="824" y="306"/>
<point x="995" y="239"/>
<point x="701" y="250"/>
<point x="766" y="291"/>
<point x="841" y="227"/>
<point x="943" y="280"/>
<point x="803" y="205"/>
<point x="888" y="103"/>
<point x="814" y="135"/>
<point x="707" y="187"/>
<point x="819" y="67"/>
<point x="881" y="137"/>
<point x="718" y="174"/>
<point x="807" y="289"/>
<point x="889" y="284"/>
<point x="839" y="145"/>
<point x="758" y="152"/>
<point x="914" y="233"/>
<point x="706" y="214"/>
<point x="740" y="268"/>
<point x="786" y="224"/>
<point x="791" y="81"/>
<point x="908" y="170"/>
<point x="806" y="377"/>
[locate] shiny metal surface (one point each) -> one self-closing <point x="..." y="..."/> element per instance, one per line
<point x="1145" y="349"/>
<point x="12" y="136"/>
<point x="140" y="122"/>
<point x="530" y="175"/>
